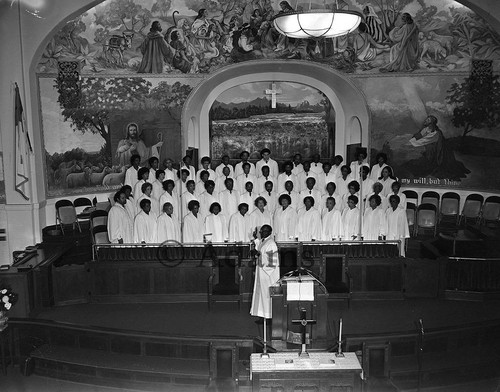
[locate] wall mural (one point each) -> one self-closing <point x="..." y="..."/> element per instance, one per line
<point x="282" y="116"/>
<point x="200" y="36"/>
<point x="88" y="146"/>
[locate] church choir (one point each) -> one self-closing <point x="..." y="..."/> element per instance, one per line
<point x="307" y="201"/>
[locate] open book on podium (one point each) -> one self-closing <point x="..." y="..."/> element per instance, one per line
<point x="296" y="291"/>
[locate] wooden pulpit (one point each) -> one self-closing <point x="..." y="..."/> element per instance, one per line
<point x="286" y="308"/>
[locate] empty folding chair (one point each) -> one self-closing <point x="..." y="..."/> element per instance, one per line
<point x="430" y="197"/>
<point x="411" y="216"/>
<point x="59" y="204"/>
<point x="82" y="207"/>
<point x="472" y="208"/>
<point x="67" y="216"/>
<point x="491" y="210"/>
<point x="98" y="218"/>
<point x="411" y="196"/>
<point x="450" y="206"/>
<point x="427" y="217"/>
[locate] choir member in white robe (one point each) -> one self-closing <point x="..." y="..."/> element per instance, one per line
<point x="145" y="231"/>
<point x="376" y="170"/>
<point x="131" y="205"/>
<point x="310" y="191"/>
<point x="154" y="164"/>
<point x="325" y="177"/>
<point x="265" y="177"/>
<point x="219" y="170"/>
<point x="169" y="196"/>
<point x="170" y="172"/>
<point x="387" y="179"/>
<point x="245" y="177"/>
<point x="181" y="181"/>
<point x="200" y="185"/>
<point x="358" y="164"/>
<point x="267" y="273"/>
<point x="266" y="160"/>
<point x="337" y="165"/>
<point x="142" y="178"/>
<point x="331" y="191"/>
<point x="396" y="190"/>
<point x="260" y="215"/>
<point x="207" y="198"/>
<point x="331" y="222"/>
<point x="220" y="182"/>
<point x="366" y="186"/>
<point x="131" y="175"/>
<point x="297" y="164"/>
<point x="287" y="175"/>
<point x="158" y="184"/>
<point x="284" y="220"/>
<point x="238" y="168"/>
<point x="304" y="175"/>
<point x="240" y="225"/>
<point x="353" y="189"/>
<point x="205" y="166"/>
<point x="249" y="196"/>
<point x="187" y="197"/>
<point x="374" y="220"/>
<point x="350" y="219"/>
<point x="294" y="196"/>
<point x="377" y="190"/>
<point x="316" y="165"/>
<point x="229" y="199"/>
<point x="193" y="225"/>
<point x="120" y="224"/>
<point x="397" y="223"/>
<point x="308" y="222"/>
<point x="216" y="228"/>
<point x="343" y="180"/>
<point x="271" y="197"/>
<point x="186" y="164"/>
<point x="146" y="189"/>
<point x="168" y="225"/>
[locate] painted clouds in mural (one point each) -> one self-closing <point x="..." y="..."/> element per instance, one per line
<point x="193" y="36"/>
<point x="88" y="145"/>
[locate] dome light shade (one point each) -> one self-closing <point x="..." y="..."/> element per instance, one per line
<point x="316" y="23"/>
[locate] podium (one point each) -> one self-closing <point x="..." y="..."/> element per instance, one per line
<point x="293" y="293"/>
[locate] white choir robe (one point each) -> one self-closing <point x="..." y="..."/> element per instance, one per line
<point x="229" y="202"/>
<point x="131" y="208"/>
<point x="273" y="167"/>
<point x="374" y="223"/>
<point x="402" y="199"/>
<point x="261" y="181"/>
<point x="249" y="198"/>
<point x="338" y="203"/>
<point x="387" y="184"/>
<point x="238" y="169"/>
<point x="297" y="169"/>
<point x="309" y="225"/>
<point x="397" y="226"/>
<point x="145" y="227"/>
<point x="331" y="225"/>
<point x="314" y="193"/>
<point x="344" y="200"/>
<point x="294" y="196"/>
<point x="211" y="175"/>
<point x="272" y="200"/>
<point x="157" y="190"/>
<point x="137" y="190"/>
<point x="342" y="184"/>
<point x="356" y="168"/>
<point x="185" y="199"/>
<point x="284" y="224"/>
<point x="168" y="228"/>
<point x="199" y="188"/>
<point x="193" y="228"/>
<point x="384" y="201"/>
<point x="376" y="171"/>
<point x="220" y="183"/>
<point x="220" y="173"/>
<point x="301" y="180"/>
<point x="206" y="200"/>
<point x="152" y="175"/>
<point x="366" y="189"/>
<point x="180" y="187"/>
<point x="120" y="225"/>
<point x="155" y="205"/>
<point x="172" y="199"/>
<point x="171" y="175"/>
<point x="335" y="170"/>
<point x="267" y="273"/>
<point x="261" y="218"/>
<point x="241" y="181"/>
<point x="317" y="168"/>
<point x="350" y="223"/>
<point x="191" y="169"/>
<point x="323" y="179"/>
<point x="240" y="228"/>
<point x="131" y="177"/>
<point x="216" y="225"/>
<point x="282" y="178"/>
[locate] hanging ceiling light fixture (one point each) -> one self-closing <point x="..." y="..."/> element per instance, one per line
<point x="318" y="21"/>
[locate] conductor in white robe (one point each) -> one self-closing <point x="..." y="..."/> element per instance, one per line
<point x="120" y="224"/>
<point x="145" y="224"/>
<point x="168" y="225"/>
<point x="267" y="272"/>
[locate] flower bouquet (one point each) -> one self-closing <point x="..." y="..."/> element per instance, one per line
<point x="7" y="299"/>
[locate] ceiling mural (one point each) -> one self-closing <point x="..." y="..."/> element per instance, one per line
<point x="199" y="37"/>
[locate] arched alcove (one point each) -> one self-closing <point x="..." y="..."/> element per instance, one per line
<point x="347" y="100"/>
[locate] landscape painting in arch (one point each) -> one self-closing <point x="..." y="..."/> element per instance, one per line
<point x="82" y="142"/>
<point x="243" y="118"/>
<point x="465" y="150"/>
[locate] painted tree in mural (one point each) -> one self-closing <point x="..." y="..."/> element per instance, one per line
<point x="100" y="96"/>
<point x="170" y="97"/>
<point x="161" y="8"/>
<point x="391" y="10"/>
<point x="476" y="103"/>
<point x="122" y="15"/>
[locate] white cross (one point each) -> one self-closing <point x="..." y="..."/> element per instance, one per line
<point x="273" y="91"/>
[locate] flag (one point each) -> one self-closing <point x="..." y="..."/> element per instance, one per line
<point x="23" y="148"/>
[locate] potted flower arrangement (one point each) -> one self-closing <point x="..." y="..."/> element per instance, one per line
<point x="7" y="299"/>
